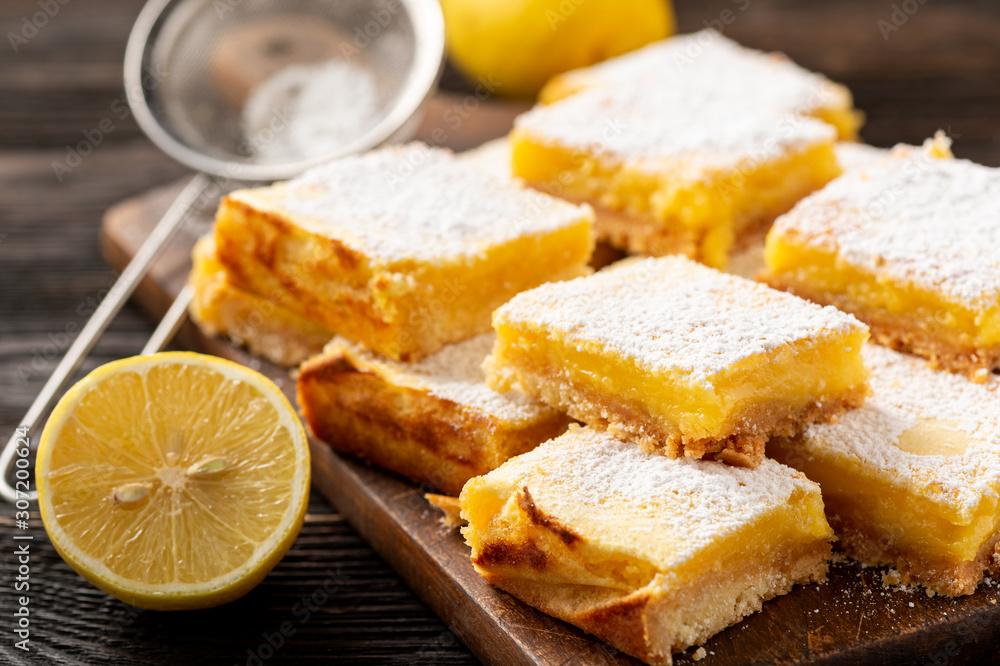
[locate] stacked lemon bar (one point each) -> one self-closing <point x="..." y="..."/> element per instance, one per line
<point x="634" y="527"/>
<point x="649" y="553"/>
<point x="677" y="153"/>
<point x="680" y="358"/>
<point x="434" y="421"/>
<point x="395" y="261"/>
<point x="912" y="478"/>
<point x="909" y="243"/>
<point x="403" y="249"/>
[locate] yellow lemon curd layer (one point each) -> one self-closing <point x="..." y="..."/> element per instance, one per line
<point x="795" y="375"/>
<point x="704" y="215"/>
<point x="821" y="274"/>
<point x="903" y="521"/>
<point x="908" y="243"/>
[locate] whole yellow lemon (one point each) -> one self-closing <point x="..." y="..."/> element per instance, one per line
<point x="512" y="47"/>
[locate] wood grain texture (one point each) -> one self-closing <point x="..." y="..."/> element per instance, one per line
<point x="941" y="69"/>
<point x="850" y="618"/>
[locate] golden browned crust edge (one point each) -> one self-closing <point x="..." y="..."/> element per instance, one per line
<point x="950" y="578"/>
<point x="639" y="235"/>
<point x="266" y="329"/>
<point x="543" y="520"/>
<point x="901" y="334"/>
<point x="627" y="233"/>
<point x="743" y="446"/>
<point x="629" y="620"/>
<point x="422" y="437"/>
<point x="647" y="236"/>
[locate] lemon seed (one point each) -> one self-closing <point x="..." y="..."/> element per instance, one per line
<point x="207" y="467"/>
<point x="130" y="493"/>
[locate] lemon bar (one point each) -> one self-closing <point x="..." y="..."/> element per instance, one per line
<point x="680" y="358"/>
<point x="912" y="478"/>
<point x="403" y="249"/>
<point x="685" y="169"/>
<point x="744" y="75"/>
<point x="650" y="554"/>
<point x="266" y="328"/>
<point x="911" y="246"/>
<point x="433" y="421"/>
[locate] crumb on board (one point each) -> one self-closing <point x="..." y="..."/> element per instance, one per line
<point x="699" y="654"/>
<point x="449" y="507"/>
<point x="891" y="577"/>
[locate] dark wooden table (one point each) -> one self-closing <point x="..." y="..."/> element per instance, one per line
<point x="935" y="67"/>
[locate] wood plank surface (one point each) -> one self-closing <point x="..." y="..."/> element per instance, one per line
<point x="850" y="617"/>
<point x="941" y="69"/>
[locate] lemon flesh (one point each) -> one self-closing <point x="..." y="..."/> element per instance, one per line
<point x="173" y="481"/>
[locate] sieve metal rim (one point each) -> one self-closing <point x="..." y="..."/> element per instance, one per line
<point x="428" y="27"/>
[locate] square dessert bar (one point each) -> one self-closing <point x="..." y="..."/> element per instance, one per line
<point x="433" y="421"/>
<point x="266" y="328"/>
<point x="742" y="74"/>
<point x="402" y="249"/>
<point x="680" y="358"/>
<point x="650" y="554"/>
<point x="911" y="246"/>
<point x="912" y="478"/>
<point x="673" y="171"/>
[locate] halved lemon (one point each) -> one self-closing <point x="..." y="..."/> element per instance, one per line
<point x="173" y="481"/>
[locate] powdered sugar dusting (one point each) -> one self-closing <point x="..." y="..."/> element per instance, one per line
<point x="905" y="392"/>
<point x="707" y="59"/>
<point x="692" y="503"/>
<point x="454" y="373"/>
<point x="715" y="110"/>
<point x="644" y="128"/>
<point x="674" y="315"/>
<point x="911" y="219"/>
<point x="413" y="202"/>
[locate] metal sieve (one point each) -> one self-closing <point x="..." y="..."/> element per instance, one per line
<point x="257" y="90"/>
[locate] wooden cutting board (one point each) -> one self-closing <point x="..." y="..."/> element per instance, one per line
<point x="851" y="618"/>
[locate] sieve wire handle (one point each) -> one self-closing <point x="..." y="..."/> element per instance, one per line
<point x="95" y="327"/>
